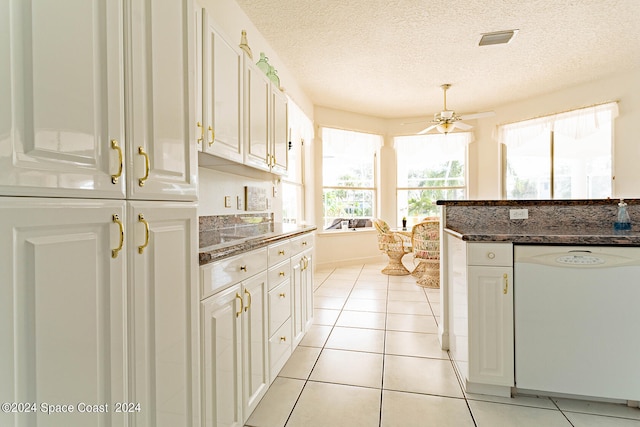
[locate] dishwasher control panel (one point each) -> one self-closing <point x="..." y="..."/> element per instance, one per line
<point x="574" y="259"/>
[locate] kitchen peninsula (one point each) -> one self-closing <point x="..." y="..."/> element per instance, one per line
<point x="509" y="267"/>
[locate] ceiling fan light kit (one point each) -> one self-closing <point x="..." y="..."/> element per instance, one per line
<point x="447" y="120"/>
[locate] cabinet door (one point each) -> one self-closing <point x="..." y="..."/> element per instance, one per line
<point x="280" y="143"/>
<point x="491" y="325"/>
<point x="257" y="115"/>
<point x="162" y="242"/>
<point x="255" y="341"/>
<point x="222" y="358"/>
<point x="62" y="313"/>
<point x="62" y="99"/>
<point x="297" y="284"/>
<point x="307" y="287"/>
<point x="162" y="149"/>
<point x="222" y="94"/>
<point x="198" y="40"/>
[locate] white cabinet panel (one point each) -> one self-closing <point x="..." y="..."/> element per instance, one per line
<point x="62" y="312"/>
<point x="280" y="142"/>
<point x="162" y="150"/>
<point x="302" y="285"/>
<point x="163" y="267"/>
<point x="267" y="133"/>
<point x="258" y="140"/>
<point x="254" y="341"/>
<point x="491" y="343"/>
<point x="63" y="98"/>
<point x="222" y="94"/>
<point x="222" y="358"/>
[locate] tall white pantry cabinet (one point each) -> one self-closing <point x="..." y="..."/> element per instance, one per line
<point x="98" y="221"/>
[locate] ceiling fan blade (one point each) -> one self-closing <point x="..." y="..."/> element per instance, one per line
<point x="477" y="115"/>
<point x="462" y="126"/>
<point x="425" y="130"/>
<point x="412" y="123"/>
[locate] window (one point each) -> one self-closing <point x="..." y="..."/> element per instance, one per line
<point x="300" y="132"/>
<point x="563" y="156"/>
<point x="429" y="168"/>
<point x="348" y="177"/>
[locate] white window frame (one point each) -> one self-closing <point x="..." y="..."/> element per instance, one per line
<point x="577" y="123"/>
<point x="373" y="189"/>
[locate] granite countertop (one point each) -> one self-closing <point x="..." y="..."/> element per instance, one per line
<point x="552" y="222"/>
<point x="214" y="246"/>
<point x="550" y="235"/>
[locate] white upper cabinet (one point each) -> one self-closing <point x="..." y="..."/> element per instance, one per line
<point x="162" y="152"/>
<point x="280" y="141"/>
<point x="62" y="104"/>
<point x="77" y="79"/>
<point x="266" y="116"/>
<point x="221" y="88"/>
<point x="258" y="90"/>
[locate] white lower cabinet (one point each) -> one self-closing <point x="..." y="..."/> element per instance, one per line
<point x="163" y="333"/>
<point x="235" y="362"/>
<point x="480" y="278"/>
<point x="249" y="305"/>
<point x="85" y="318"/>
<point x="302" y="278"/>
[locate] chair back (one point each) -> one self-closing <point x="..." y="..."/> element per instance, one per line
<point x="425" y="240"/>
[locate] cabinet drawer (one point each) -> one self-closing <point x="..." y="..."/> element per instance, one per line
<point x="221" y="274"/>
<point x="280" y="348"/>
<point x="279" y="306"/>
<point x="490" y="254"/>
<point x="278" y="252"/>
<point x="301" y="243"/>
<point x="279" y="273"/>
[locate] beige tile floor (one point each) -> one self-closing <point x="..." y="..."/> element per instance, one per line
<point x="372" y="358"/>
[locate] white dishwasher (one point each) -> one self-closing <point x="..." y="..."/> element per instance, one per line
<point x="577" y="320"/>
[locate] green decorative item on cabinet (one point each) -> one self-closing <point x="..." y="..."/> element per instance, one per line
<point x="273" y="76"/>
<point x="263" y="63"/>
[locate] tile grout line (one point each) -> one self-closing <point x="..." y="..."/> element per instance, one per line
<point x="324" y="343"/>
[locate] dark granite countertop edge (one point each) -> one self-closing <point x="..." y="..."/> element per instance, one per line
<point x="219" y="252"/>
<point x="557" y="202"/>
<point x="604" y="239"/>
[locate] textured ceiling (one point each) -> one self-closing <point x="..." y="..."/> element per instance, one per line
<point x="388" y="58"/>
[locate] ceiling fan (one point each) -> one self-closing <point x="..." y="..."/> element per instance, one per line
<point x="447" y="120"/>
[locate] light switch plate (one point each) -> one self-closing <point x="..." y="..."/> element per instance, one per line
<point x="518" y="213"/>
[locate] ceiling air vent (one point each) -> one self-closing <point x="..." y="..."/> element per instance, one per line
<point x="498" y="37"/>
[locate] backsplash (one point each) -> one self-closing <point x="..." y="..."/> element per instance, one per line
<point x="216" y="229"/>
<point x="563" y="214"/>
